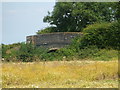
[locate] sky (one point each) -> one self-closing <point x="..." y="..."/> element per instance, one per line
<point x="0" y="22"/>
<point x="21" y="19"/>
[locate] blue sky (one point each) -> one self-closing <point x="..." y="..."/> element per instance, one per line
<point x="21" y="19"/>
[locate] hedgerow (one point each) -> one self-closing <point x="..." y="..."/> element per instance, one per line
<point x="104" y="35"/>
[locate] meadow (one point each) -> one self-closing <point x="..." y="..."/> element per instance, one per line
<point x="60" y="74"/>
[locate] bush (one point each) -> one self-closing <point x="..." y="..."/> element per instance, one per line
<point x="88" y="52"/>
<point x="25" y="52"/>
<point x="94" y="53"/>
<point x="104" y="35"/>
<point x="47" y="30"/>
<point x="9" y="51"/>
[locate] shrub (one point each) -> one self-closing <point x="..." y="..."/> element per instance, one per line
<point x="9" y="51"/>
<point x="94" y="53"/>
<point x="25" y="52"/>
<point x="88" y="52"/>
<point x="4" y="49"/>
<point x="104" y="35"/>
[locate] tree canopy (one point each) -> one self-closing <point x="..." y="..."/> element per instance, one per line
<point x="74" y="16"/>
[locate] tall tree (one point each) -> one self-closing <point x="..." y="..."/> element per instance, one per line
<point x="74" y="16"/>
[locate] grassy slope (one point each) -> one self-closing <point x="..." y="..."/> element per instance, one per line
<point x="62" y="74"/>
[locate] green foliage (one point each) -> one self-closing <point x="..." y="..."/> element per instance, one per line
<point x="88" y="52"/>
<point x="9" y="51"/>
<point x="104" y="35"/>
<point x="74" y="16"/>
<point x="94" y="53"/>
<point x="47" y="30"/>
<point x="4" y="49"/>
<point x="106" y="55"/>
<point x="25" y="52"/>
<point x="117" y="15"/>
<point x="41" y="53"/>
<point x="49" y="56"/>
<point x="58" y="55"/>
<point x="29" y="53"/>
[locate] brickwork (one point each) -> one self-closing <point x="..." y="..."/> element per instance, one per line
<point x="53" y="40"/>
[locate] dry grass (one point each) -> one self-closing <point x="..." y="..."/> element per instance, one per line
<point x="62" y="74"/>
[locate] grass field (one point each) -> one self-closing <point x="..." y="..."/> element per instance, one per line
<point x="60" y="74"/>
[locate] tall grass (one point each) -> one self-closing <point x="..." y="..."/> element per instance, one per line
<point x="63" y="74"/>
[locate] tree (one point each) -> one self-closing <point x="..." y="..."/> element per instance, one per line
<point x="117" y="6"/>
<point x="74" y="16"/>
<point x="47" y="30"/>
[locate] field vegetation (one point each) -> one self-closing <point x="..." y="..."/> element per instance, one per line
<point x="60" y="74"/>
